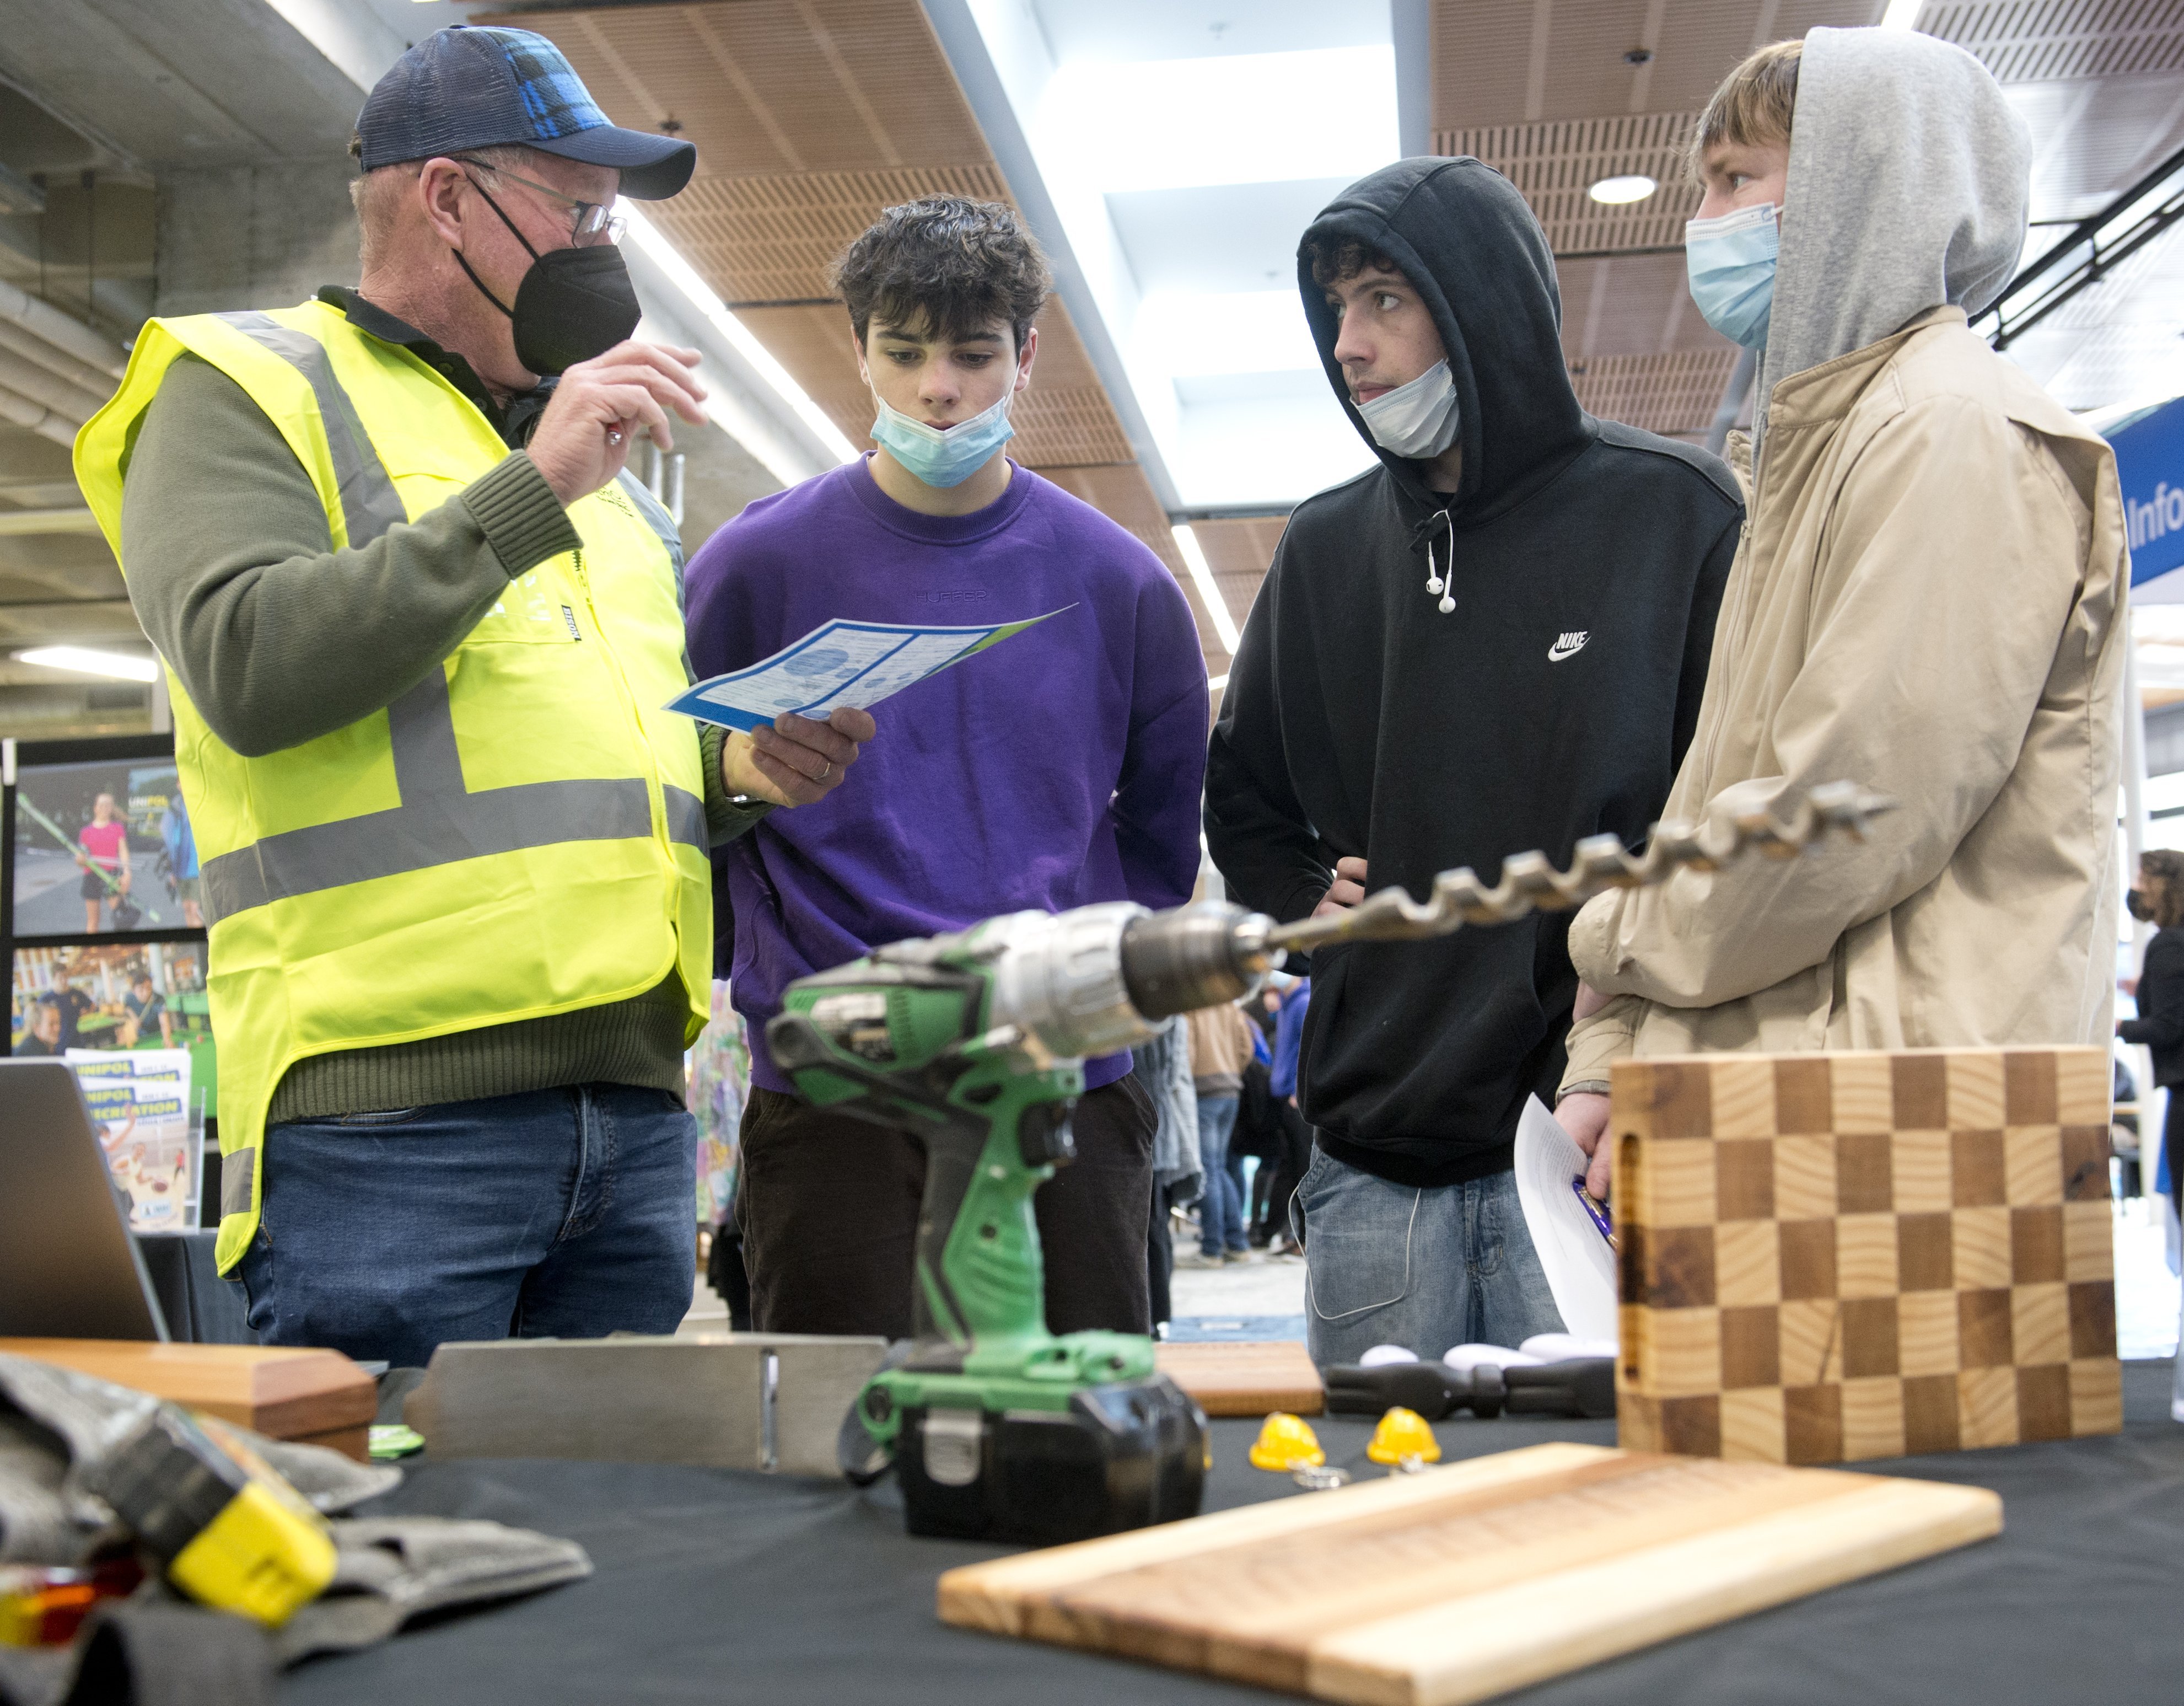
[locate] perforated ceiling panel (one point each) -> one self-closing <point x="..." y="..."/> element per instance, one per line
<point x="1675" y="394"/>
<point x="1512" y="62"/>
<point x="1554" y="165"/>
<point x="1238" y="553"/>
<point x="2039" y="41"/>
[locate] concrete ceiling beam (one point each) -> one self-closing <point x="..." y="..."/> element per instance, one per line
<point x="67" y="334"/>
<point x="39" y="419"/>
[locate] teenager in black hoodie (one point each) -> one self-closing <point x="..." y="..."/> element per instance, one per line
<point x="1494" y="641"/>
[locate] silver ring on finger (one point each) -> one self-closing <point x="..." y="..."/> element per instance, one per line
<point x="614" y="435"/>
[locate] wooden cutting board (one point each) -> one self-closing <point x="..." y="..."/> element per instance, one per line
<point x="1464" y="1582"/>
<point x="314" y="1397"/>
<point x="1244" y="1379"/>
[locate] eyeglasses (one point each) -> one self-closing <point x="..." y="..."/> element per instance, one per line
<point x="591" y="222"/>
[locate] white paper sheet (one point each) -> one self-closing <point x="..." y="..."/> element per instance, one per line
<point x="839" y="663"/>
<point x="1580" y="1262"/>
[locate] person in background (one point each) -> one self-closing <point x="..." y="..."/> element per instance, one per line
<point x="74" y="1006"/>
<point x="104" y="857"/>
<point x="1275" y="1227"/>
<point x="1060" y="768"/>
<point x="1927" y="603"/>
<point x="41" y="1033"/>
<point x="1220" y="1049"/>
<point x="1161" y="1067"/>
<point x="144" y="1006"/>
<point x="180" y="843"/>
<point x="2157" y="897"/>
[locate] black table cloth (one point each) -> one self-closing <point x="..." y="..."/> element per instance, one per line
<point x="717" y="1584"/>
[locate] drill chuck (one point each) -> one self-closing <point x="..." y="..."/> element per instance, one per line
<point x="1196" y="957"/>
<point x="1103" y="979"/>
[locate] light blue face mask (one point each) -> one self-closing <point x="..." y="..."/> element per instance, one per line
<point x="945" y="456"/>
<point x="1731" y="264"/>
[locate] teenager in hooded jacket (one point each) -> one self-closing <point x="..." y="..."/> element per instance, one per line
<point x="1927" y="602"/>
<point x="1493" y="640"/>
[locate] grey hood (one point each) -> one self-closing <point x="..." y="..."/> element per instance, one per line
<point x="1908" y="184"/>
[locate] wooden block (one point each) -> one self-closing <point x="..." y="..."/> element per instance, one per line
<point x="2032" y="1164"/>
<point x="1918" y="1258"/>
<point x="1454" y="1586"/>
<point x="317" y="1396"/>
<point x="1752" y="1427"/>
<point x="1805" y="1178"/>
<point x="1748" y="1262"/>
<point x="1980" y="1247"/>
<point x="1860" y="1093"/>
<point x="2089" y="1241"/>
<point x="1919" y="1161"/>
<point x="1976" y="1101"/>
<point x="1682" y="1175"/>
<point x="1865" y="1256"/>
<point x="1743" y="1098"/>
<point x="1247" y="1379"/>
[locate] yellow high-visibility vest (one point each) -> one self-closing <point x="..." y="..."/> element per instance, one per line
<point x="522" y="833"/>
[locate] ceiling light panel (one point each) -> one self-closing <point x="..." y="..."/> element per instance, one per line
<point x="1248" y="331"/>
<point x="2039" y="41"/>
<point x="1618" y="191"/>
<point x="115" y="665"/>
<point x="1555" y="165"/>
<point x="1243" y="119"/>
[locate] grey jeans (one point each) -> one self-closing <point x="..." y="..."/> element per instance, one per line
<point x="1390" y="1265"/>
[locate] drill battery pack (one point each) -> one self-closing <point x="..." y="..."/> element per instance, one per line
<point x="227" y="1529"/>
<point x="1120" y="1457"/>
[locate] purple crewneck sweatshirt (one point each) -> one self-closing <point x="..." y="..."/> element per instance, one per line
<point x="1059" y="768"/>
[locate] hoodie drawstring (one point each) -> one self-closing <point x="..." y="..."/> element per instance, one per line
<point x="1439" y="582"/>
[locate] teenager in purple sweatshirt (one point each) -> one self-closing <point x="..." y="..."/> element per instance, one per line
<point x="1062" y="767"/>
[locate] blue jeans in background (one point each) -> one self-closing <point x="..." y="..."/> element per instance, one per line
<point x="1389" y="1264"/>
<point x="567" y="1213"/>
<point x="1221" y="1210"/>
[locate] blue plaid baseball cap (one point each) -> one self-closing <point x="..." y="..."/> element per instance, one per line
<point x="468" y="86"/>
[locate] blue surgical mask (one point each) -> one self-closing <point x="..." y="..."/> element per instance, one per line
<point x="1731" y="264"/>
<point x="1417" y="419"/>
<point x="944" y="456"/>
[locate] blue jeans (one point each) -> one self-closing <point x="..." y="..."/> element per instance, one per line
<point x="1221" y="1210"/>
<point x="1389" y="1264"/>
<point x="568" y="1213"/>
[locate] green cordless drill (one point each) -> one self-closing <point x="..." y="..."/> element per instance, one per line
<point x="975" y="1044"/>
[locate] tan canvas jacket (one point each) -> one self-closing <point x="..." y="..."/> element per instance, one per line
<point x="1928" y="599"/>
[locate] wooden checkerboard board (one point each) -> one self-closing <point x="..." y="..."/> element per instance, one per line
<point x="1831" y="1257"/>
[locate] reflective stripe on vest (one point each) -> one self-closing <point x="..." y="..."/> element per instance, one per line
<point x="438" y="821"/>
<point x="370" y="503"/>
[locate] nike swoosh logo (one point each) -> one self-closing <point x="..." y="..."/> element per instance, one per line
<point x="1568" y="646"/>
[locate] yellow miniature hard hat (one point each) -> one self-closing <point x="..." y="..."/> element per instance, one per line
<point x="1401" y="1434"/>
<point x="1283" y="1443"/>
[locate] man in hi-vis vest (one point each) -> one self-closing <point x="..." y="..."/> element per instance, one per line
<point x="418" y="624"/>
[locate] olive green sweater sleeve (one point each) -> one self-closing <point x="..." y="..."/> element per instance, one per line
<point x="277" y="637"/>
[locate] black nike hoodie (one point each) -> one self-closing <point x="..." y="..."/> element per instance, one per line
<point x="1586" y="559"/>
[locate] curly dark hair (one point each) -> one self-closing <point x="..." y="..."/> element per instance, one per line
<point x="943" y="266"/>
<point x="2162" y="868"/>
<point x="1336" y="263"/>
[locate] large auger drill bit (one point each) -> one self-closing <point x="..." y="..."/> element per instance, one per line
<point x="1529" y="883"/>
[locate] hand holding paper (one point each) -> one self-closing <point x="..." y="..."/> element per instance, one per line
<point x="793" y="761"/>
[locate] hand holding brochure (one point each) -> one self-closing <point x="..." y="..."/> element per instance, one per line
<point x="1566" y="1228"/>
<point x="839" y="663"/>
